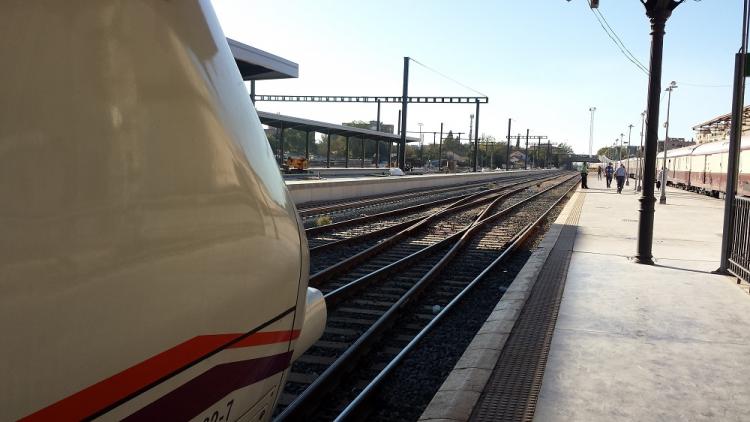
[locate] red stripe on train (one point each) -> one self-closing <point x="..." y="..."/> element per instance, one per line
<point x="106" y="392"/>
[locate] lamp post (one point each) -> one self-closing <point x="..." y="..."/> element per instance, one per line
<point x="591" y="132"/>
<point x="639" y="166"/>
<point x="663" y="197"/>
<point x="658" y="11"/>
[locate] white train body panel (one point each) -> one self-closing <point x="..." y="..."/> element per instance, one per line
<point x="151" y="260"/>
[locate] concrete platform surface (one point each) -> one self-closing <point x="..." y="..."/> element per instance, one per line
<point x="304" y="191"/>
<point x="648" y="343"/>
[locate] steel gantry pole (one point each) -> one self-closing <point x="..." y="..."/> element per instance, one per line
<point x="440" y="148"/>
<point x="658" y="11"/>
<point x="421" y="145"/>
<point x="328" y="150"/>
<point x="526" y="156"/>
<point x="404" y="102"/>
<point x="377" y="141"/>
<point x="476" y="137"/>
<point x="433" y="146"/>
<point x="507" y="149"/>
<point x="663" y="197"/>
<point x="735" y="136"/>
<point x="639" y="168"/>
<point x="346" y="153"/>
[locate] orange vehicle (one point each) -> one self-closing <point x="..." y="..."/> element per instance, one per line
<point x="297" y="163"/>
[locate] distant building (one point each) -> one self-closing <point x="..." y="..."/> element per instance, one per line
<point x="383" y="127"/>
<point x="673" y="143"/>
<point x="717" y="129"/>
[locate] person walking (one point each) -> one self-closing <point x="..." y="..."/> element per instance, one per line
<point x="599" y="172"/>
<point x="659" y="178"/>
<point x="609" y="172"/>
<point x="620" y="175"/>
<point x="584" y="176"/>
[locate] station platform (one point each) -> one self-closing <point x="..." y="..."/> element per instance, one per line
<point x="586" y="334"/>
<point x="317" y="190"/>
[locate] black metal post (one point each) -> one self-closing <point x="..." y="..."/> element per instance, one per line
<point x="658" y="12"/>
<point x="377" y="124"/>
<point x="640" y="155"/>
<point x="328" y="152"/>
<point x="252" y="90"/>
<point x="398" y="145"/>
<point x="434" y="134"/>
<point x="546" y="159"/>
<point x="476" y="138"/>
<point x="377" y="142"/>
<point x="404" y="102"/>
<point x="377" y="154"/>
<point x="526" y="156"/>
<point x="346" y="153"/>
<point x="538" y="154"/>
<point x="362" y="141"/>
<point x="390" y="151"/>
<point x="307" y="145"/>
<point x="507" y="149"/>
<point x="734" y="156"/>
<point x="440" y="148"/>
<point x="281" y="145"/>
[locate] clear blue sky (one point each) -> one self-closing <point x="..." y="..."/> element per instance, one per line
<point x="542" y="63"/>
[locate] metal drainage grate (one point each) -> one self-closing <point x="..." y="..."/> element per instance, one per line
<point x="513" y="388"/>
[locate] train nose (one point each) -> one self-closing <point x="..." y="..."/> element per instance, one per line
<point x="315" y="322"/>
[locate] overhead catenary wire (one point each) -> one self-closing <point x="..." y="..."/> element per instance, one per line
<point x="620" y="45"/>
<point x="619" y="42"/>
<point x="446" y="76"/>
<point x="612" y="34"/>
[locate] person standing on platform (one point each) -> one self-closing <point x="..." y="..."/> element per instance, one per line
<point x="584" y="176"/>
<point x="620" y="175"/>
<point x="599" y="172"/>
<point x="608" y="172"/>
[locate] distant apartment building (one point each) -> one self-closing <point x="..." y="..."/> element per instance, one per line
<point x="717" y="129"/>
<point x="673" y="143"/>
<point x="383" y="127"/>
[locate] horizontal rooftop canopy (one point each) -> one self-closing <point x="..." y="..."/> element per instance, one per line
<point x="255" y="64"/>
<point x="289" y="122"/>
<point x="724" y="121"/>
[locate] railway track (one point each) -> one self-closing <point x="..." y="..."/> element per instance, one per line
<point x="376" y="318"/>
<point x="349" y="209"/>
<point x="335" y="248"/>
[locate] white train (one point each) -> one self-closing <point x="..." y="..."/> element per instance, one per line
<point x="702" y="168"/>
<point x="152" y="265"/>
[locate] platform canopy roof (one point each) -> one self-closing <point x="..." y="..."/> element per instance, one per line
<point x="255" y="64"/>
<point x="289" y="122"/>
<point x="723" y="122"/>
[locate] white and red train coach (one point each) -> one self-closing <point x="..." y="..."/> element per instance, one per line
<point x="703" y="168"/>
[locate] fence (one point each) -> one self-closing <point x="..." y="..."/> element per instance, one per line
<point x="739" y="248"/>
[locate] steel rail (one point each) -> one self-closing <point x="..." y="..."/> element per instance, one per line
<point x="325" y="274"/>
<point x="307" y="212"/>
<point x="402" y="225"/>
<point x="303" y="404"/>
<point x="355" y="406"/>
<point x="337" y="295"/>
